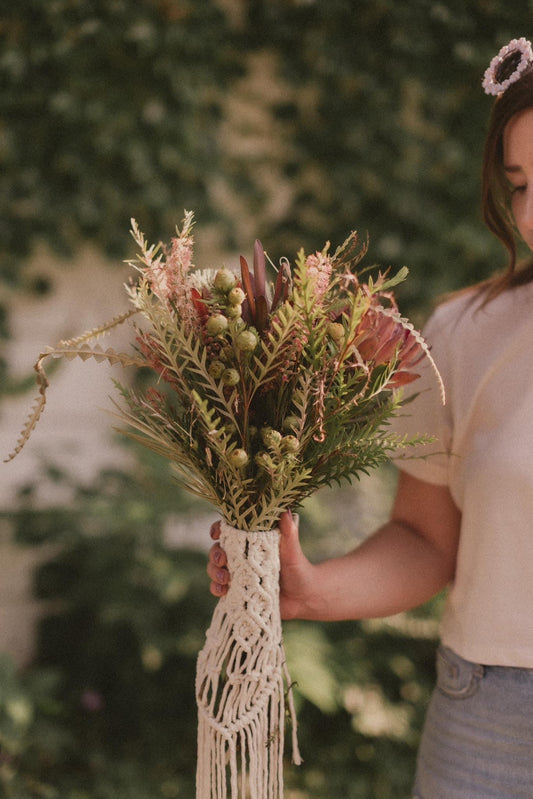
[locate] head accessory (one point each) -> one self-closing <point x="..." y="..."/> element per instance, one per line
<point x="506" y="67"/>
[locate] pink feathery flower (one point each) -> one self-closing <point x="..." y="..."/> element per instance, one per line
<point x="168" y="276"/>
<point x="319" y="266"/>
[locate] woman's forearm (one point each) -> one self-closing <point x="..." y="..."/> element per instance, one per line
<point x="394" y="570"/>
<point x="403" y="564"/>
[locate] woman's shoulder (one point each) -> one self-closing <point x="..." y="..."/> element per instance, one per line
<point x="453" y="311"/>
<point x="474" y="309"/>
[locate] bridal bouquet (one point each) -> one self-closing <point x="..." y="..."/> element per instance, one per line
<point x="264" y="393"/>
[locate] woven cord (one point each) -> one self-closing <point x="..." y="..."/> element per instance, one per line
<point x="240" y="678"/>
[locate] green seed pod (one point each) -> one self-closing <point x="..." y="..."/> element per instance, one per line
<point x="226" y="354"/>
<point x="246" y="341"/>
<point x="216" y="369"/>
<point x="224" y="280"/>
<point x="216" y="324"/>
<point x="239" y="458"/>
<point x="230" y="377"/>
<point x="234" y="311"/>
<point x="290" y="423"/>
<point x="271" y="437"/>
<point x="236" y="296"/>
<point x="336" y="331"/>
<point x="263" y="460"/>
<point x="290" y="443"/>
<point x="238" y="323"/>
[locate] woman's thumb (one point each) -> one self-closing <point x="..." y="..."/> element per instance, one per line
<point x="290" y="541"/>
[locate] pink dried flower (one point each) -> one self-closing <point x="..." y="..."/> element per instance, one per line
<point x="168" y="276"/>
<point x="319" y="267"/>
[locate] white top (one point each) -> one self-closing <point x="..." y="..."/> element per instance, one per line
<point x="484" y="453"/>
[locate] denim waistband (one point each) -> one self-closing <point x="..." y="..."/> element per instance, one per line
<point x="478" y="737"/>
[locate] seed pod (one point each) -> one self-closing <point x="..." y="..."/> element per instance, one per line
<point x="336" y="331"/>
<point x="224" y="280"/>
<point x="263" y="460"/>
<point x="226" y="354"/>
<point x="271" y="437"/>
<point x="236" y="296"/>
<point x="216" y="324"/>
<point x="239" y="458"/>
<point x="216" y="369"/>
<point x="230" y="377"/>
<point x="246" y="341"/>
<point x="290" y="423"/>
<point x="234" y="311"/>
<point x="290" y="443"/>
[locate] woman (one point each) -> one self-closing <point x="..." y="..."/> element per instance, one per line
<point x="464" y="516"/>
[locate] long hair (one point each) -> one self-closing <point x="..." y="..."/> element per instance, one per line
<point x="495" y="193"/>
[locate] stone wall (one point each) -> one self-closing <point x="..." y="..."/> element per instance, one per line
<point x="74" y="433"/>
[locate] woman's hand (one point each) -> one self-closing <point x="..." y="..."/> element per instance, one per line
<point x="400" y="566"/>
<point x="297" y="585"/>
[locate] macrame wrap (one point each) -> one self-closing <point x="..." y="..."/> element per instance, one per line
<point x="240" y="678"/>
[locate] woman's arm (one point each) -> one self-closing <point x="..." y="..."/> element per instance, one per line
<point x="404" y="563"/>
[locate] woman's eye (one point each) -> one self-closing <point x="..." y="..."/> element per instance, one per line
<point x="517" y="189"/>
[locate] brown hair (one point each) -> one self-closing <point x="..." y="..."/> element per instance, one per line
<point x="495" y="193"/>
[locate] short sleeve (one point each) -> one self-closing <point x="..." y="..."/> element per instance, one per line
<point x="425" y="414"/>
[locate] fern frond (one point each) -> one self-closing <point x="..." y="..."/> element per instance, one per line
<point x="91" y="335"/>
<point x="303" y="407"/>
<point x="274" y="347"/>
<point x="35" y="414"/>
<point x="264" y="513"/>
<point x="152" y="430"/>
<point x="187" y="356"/>
<point x="96" y="352"/>
<point x="183" y="353"/>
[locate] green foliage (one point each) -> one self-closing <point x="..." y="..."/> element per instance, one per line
<point x="361" y="696"/>
<point x="109" y="109"/>
<point x="305" y="119"/>
<point x="386" y="119"/>
<point x="108" y="707"/>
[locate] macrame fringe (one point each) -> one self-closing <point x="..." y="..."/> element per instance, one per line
<point x="241" y="676"/>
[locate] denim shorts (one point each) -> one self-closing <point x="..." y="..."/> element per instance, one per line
<point x="478" y="736"/>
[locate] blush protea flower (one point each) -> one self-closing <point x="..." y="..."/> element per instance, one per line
<point x="382" y="337"/>
<point x="411" y="353"/>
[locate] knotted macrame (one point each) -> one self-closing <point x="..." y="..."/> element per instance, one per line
<point x="240" y="678"/>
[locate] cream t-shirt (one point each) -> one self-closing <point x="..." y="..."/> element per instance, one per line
<point x="484" y="453"/>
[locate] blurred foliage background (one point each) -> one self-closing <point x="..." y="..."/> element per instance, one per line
<point x="295" y="121"/>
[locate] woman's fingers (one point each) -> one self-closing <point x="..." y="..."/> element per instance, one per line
<point x="217" y="589"/>
<point x="217" y="570"/>
<point x="214" y="531"/>
<point x="217" y="558"/>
